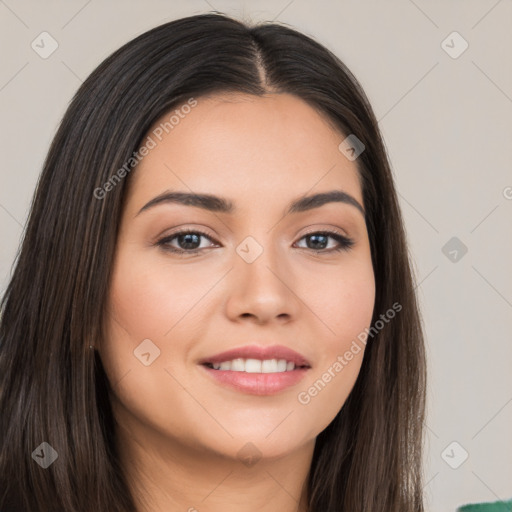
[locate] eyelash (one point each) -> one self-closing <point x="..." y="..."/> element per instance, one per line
<point x="345" y="243"/>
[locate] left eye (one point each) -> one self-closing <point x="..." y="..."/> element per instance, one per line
<point x="319" y="240"/>
<point x="189" y="242"/>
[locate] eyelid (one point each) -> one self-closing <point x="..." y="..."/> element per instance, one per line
<point x="330" y="229"/>
<point x="184" y="228"/>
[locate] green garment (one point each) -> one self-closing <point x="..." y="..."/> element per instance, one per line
<point x="497" y="506"/>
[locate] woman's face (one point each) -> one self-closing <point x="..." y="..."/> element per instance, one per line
<point x="245" y="280"/>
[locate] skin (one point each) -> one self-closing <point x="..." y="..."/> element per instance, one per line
<point x="179" y="431"/>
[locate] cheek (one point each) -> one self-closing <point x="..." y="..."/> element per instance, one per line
<point x="142" y="306"/>
<point x="345" y="303"/>
<point x="343" y="300"/>
<point x="149" y="298"/>
<point x="150" y="305"/>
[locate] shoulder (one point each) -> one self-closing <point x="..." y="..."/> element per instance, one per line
<point x="497" y="506"/>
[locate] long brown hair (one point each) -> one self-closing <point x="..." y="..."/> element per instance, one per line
<point x="53" y="387"/>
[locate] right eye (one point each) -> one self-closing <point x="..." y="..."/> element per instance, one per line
<point x="189" y="240"/>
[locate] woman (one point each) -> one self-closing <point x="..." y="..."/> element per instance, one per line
<point x="213" y="305"/>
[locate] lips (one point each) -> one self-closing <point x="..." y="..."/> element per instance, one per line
<point x="284" y="368"/>
<point x="258" y="352"/>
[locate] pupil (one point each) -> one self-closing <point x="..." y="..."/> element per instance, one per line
<point x="185" y="239"/>
<point x="314" y="239"/>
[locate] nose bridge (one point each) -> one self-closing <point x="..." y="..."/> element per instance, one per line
<point x="258" y="260"/>
<point x="261" y="280"/>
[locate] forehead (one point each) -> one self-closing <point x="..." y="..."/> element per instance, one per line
<point x="247" y="148"/>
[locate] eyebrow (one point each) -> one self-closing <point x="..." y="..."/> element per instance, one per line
<point x="223" y="205"/>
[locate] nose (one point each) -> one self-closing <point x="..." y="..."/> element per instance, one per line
<point x="264" y="290"/>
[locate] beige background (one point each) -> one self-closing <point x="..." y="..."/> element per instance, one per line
<point x="447" y="123"/>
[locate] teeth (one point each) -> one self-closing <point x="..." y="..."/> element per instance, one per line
<point x="269" y="366"/>
<point x="253" y="366"/>
<point x="256" y="365"/>
<point x="238" y="365"/>
<point x="281" y="365"/>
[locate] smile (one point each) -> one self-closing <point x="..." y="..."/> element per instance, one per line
<point x="254" y="365"/>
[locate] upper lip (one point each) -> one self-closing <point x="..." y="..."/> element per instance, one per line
<point x="258" y="352"/>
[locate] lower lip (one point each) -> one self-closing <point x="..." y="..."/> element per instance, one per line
<point x="257" y="383"/>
